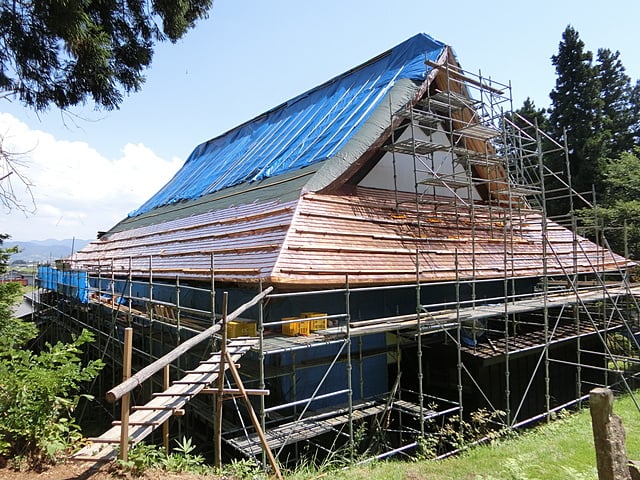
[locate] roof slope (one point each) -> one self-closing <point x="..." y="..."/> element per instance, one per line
<point x="366" y="236"/>
<point x="307" y="129"/>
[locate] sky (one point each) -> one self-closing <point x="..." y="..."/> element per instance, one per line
<point x="90" y="168"/>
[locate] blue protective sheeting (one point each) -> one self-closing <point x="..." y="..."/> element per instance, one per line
<point x="72" y="283"/>
<point x="306" y="130"/>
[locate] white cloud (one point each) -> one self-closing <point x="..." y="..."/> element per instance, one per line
<point x="77" y="190"/>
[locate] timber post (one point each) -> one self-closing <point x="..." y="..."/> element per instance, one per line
<point x="608" y="437"/>
<point x="125" y="404"/>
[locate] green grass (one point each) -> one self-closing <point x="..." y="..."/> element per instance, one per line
<point x="562" y="449"/>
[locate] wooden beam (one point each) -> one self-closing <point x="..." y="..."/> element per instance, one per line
<point x="454" y="71"/>
<point x="124" y="407"/>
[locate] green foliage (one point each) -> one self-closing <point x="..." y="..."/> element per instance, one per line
<point x="142" y="457"/>
<point x="617" y="116"/>
<point x="559" y="450"/>
<point x="457" y="433"/>
<point x="622" y="177"/>
<point x="147" y="456"/>
<point x="38" y="391"/>
<point x="595" y="104"/>
<point x="619" y="211"/>
<point x="244" y="469"/>
<point x="38" y="397"/>
<point x="182" y="459"/>
<point x="5" y="253"/>
<point x="576" y="109"/>
<point x="64" y="52"/>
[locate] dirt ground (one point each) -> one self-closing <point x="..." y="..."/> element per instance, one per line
<point x="81" y="471"/>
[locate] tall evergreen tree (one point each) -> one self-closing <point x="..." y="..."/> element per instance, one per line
<point x="534" y="115"/>
<point x="576" y="107"/>
<point x="635" y="113"/>
<point x="616" y="120"/>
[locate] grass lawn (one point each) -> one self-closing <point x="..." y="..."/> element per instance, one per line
<point x="559" y="450"/>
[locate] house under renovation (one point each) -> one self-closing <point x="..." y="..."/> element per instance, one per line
<point x="386" y="238"/>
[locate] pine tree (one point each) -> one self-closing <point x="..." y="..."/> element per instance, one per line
<point x="534" y="115"/>
<point x="635" y="113"/>
<point x="65" y="53"/>
<point x="616" y="120"/>
<point x="576" y="107"/>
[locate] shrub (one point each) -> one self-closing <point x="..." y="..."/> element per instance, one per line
<point x="38" y="394"/>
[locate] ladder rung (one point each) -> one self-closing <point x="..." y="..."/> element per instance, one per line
<point x="192" y="382"/>
<point x="178" y="395"/>
<point x="159" y="408"/>
<point x="137" y="424"/>
<point x="190" y="372"/>
<point x="90" y="458"/>
<point x="104" y="440"/>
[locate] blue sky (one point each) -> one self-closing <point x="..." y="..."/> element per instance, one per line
<point x="91" y="168"/>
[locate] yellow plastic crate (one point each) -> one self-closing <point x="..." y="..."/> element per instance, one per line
<point x="241" y="329"/>
<point x="294" y="329"/>
<point x="315" y="323"/>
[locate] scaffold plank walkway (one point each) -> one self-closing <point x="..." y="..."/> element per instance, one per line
<point x="448" y="318"/>
<point x="145" y="419"/>
<point x="304" y="428"/>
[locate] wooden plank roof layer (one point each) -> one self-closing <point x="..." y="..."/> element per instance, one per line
<point x="320" y="238"/>
<point x="310" y="192"/>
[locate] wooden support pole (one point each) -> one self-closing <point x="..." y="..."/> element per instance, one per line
<point x="217" y="427"/>
<point x="608" y="437"/>
<point x="166" y="381"/>
<point x="124" y="407"/>
<point x="254" y="418"/>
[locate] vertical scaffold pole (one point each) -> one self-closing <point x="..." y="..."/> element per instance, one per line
<point x="574" y="278"/>
<point x="458" y="341"/>
<point x="347" y="301"/>
<point x="165" y="426"/>
<point x="213" y="292"/>
<point x="545" y="279"/>
<point x="130" y="291"/>
<point x="261" y="357"/>
<point x="220" y="396"/>
<point x="419" y="347"/>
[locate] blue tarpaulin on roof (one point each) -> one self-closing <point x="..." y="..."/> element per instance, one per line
<point x="301" y="132"/>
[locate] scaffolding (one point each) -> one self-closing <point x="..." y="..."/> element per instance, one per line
<point x="512" y="352"/>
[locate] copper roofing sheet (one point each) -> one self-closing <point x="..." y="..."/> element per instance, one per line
<point x="243" y="240"/>
<point x="368" y="237"/>
<point x="321" y="238"/>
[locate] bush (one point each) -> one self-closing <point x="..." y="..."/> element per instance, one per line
<point x="38" y="394"/>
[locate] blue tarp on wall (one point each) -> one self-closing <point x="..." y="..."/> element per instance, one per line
<point x="71" y="283"/>
<point x="305" y="130"/>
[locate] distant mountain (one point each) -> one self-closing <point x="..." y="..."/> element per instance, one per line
<point x="42" y="251"/>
